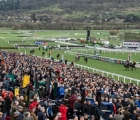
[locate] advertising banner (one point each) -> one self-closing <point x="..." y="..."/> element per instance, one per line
<point x="131" y="44"/>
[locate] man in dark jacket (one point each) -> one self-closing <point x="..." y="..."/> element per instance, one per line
<point x="96" y="111"/>
<point x="20" y="110"/>
<point x="8" y="102"/>
<point x="41" y="114"/>
<point x="88" y="109"/>
<point x="127" y="115"/>
<point x="17" y="116"/>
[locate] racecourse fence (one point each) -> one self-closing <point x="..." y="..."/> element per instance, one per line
<point x="102" y="58"/>
<point x="117" y="77"/>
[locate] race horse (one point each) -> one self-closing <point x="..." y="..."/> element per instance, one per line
<point x="43" y="53"/>
<point x="133" y="65"/>
<point x="86" y="59"/>
<point x="58" y="56"/>
<point x="77" y="58"/>
<point x="32" y="51"/>
<point x="130" y="65"/>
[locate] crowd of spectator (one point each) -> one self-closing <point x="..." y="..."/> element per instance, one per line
<point x="66" y="92"/>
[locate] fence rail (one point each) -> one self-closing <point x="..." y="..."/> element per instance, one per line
<point x="91" y="56"/>
<point x="113" y="75"/>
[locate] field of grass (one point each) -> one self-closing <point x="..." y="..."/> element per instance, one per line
<point x="110" y="67"/>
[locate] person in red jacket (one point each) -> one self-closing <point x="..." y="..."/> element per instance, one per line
<point x="72" y="99"/>
<point x="33" y="105"/>
<point x="63" y="110"/>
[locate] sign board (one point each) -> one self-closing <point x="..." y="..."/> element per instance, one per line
<point x="131" y="44"/>
<point x="106" y="42"/>
<point x="39" y="43"/>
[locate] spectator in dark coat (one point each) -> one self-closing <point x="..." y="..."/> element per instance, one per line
<point x="96" y="111"/>
<point x="8" y="104"/>
<point x="88" y="109"/>
<point x="127" y="115"/>
<point x="18" y="116"/>
<point x="41" y="114"/>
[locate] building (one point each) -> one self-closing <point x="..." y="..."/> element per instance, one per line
<point x="131" y="40"/>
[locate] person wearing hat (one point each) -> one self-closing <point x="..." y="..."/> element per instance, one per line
<point x="28" y="116"/>
<point x="20" y="109"/>
<point x="17" y="116"/>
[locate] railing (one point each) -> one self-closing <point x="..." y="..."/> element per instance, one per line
<point x="118" y="77"/>
<point x="113" y="75"/>
<point x="91" y="56"/>
<point x="107" y="50"/>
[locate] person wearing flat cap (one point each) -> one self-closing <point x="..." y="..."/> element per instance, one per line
<point x="20" y="110"/>
<point x="18" y="116"/>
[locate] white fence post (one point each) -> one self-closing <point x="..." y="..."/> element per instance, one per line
<point x="124" y="79"/>
<point x="118" y="77"/>
<point x="112" y="76"/>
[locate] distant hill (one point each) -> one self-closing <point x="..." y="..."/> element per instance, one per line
<point x="71" y="8"/>
<point x="70" y="4"/>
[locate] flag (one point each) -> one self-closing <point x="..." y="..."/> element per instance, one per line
<point x="16" y="91"/>
<point x="26" y="81"/>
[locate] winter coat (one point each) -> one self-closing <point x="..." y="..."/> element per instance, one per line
<point x="41" y="116"/>
<point x="2" y="107"/>
<point x="63" y="110"/>
<point x="32" y="105"/>
<point x="34" y="116"/>
<point x="8" y="103"/>
<point x="19" y="117"/>
<point x="95" y="111"/>
<point x="88" y="109"/>
<point x="28" y="118"/>
<point x="72" y="99"/>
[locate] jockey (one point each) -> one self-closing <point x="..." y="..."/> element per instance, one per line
<point x="77" y="55"/>
<point x="134" y="62"/>
<point x="127" y="62"/>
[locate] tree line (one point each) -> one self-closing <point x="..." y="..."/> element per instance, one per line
<point x="68" y="26"/>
